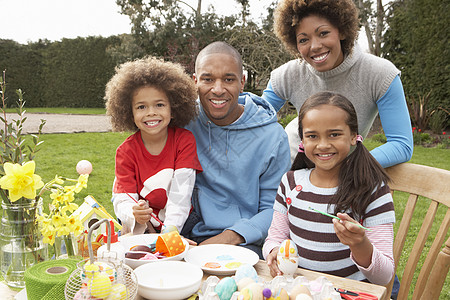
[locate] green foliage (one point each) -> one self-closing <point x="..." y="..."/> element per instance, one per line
<point x="417" y="43"/>
<point x="13" y="148"/>
<point x="286" y="119"/>
<point x="439" y="120"/>
<point x="69" y="73"/>
<point x="379" y="137"/>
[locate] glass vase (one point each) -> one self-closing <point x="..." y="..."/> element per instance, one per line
<point x="66" y="246"/>
<point x="21" y="242"/>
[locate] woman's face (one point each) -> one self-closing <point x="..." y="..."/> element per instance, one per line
<point x="319" y="43"/>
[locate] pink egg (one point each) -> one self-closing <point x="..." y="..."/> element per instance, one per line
<point x="84" y="167"/>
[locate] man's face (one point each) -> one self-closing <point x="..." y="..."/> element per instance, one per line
<point x="219" y="82"/>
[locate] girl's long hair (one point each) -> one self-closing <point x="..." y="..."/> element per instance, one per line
<point x="360" y="174"/>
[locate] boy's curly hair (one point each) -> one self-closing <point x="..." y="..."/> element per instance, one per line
<point x="168" y="77"/>
<point x="342" y="14"/>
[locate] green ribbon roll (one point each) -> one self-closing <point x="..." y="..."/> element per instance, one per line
<point x="47" y="280"/>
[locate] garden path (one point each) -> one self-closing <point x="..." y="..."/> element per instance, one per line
<point x="64" y="123"/>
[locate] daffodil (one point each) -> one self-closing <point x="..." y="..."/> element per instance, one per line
<point x="20" y="180"/>
<point x="69" y="207"/>
<point x="82" y="182"/>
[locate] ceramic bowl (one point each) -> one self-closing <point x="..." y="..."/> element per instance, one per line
<point x="146" y="239"/>
<point x="168" y="280"/>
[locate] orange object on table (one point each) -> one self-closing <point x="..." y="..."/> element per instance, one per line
<point x="170" y="244"/>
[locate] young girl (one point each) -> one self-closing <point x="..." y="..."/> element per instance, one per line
<point x="156" y="166"/>
<point x="333" y="172"/>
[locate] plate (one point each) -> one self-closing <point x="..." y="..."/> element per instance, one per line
<point x="146" y="239"/>
<point x="227" y="258"/>
<point x="168" y="280"/>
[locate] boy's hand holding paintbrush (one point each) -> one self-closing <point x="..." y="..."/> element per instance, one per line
<point x="142" y="212"/>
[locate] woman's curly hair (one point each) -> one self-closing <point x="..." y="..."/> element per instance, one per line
<point x="342" y="14"/>
<point x="168" y="77"/>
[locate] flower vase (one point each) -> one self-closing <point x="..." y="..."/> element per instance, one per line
<point x="66" y="246"/>
<point x="21" y="243"/>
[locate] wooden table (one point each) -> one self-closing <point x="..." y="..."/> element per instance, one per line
<point x="338" y="282"/>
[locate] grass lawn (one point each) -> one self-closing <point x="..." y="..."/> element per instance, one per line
<point x="60" y="153"/>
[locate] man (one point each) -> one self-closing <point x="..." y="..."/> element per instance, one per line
<point x="243" y="152"/>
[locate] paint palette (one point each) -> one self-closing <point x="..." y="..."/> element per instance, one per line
<point x="220" y="259"/>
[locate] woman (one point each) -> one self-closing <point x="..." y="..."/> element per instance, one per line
<point x="322" y="34"/>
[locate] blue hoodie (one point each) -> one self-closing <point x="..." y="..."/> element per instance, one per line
<point x="242" y="168"/>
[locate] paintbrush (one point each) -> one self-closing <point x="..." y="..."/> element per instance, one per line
<point x="337" y="218"/>
<point x="151" y="214"/>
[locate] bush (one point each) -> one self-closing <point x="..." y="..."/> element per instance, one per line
<point x="286" y="120"/>
<point x="379" y="137"/>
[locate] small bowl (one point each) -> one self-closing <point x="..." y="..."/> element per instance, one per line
<point x="168" y="280"/>
<point x="145" y="239"/>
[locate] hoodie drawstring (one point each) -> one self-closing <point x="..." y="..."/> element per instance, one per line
<point x="209" y="134"/>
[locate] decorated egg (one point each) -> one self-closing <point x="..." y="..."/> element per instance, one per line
<point x="287" y="257"/>
<point x="246" y="270"/>
<point x="303" y="297"/>
<point x="118" y="292"/>
<point x="244" y="282"/>
<point x="225" y="288"/>
<point x="84" y="167"/>
<point x="281" y="294"/>
<point x="253" y="291"/>
<point x="299" y="289"/>
<point x="82" y="294"/>
<point x="99" y="286"/>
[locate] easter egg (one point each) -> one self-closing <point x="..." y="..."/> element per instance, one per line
<point x="287" y="257"/>
<point x="99" y="286"/>
<point x="245" y="294"/>
<point x="256" y="291"/>
<point x="225" y="288"/>
<point x="303" y="297"/>
<point x="246" y="270"/>
<point x="90" y="270"/>
<point x="118" y="292"/>
<point x="243" y="283"/>
<point x="82" y="294"/>
<point x="288" y="249"/>
<point x="281" y="294"/>
<point x="299" y="289"/>
<point x="84" y="167"/>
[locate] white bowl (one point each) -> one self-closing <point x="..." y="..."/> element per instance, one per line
<point x="146" y="239"/>
<point x="168" y="280"/>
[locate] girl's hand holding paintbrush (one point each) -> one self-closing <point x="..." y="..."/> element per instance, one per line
<point x="354" y="236"/>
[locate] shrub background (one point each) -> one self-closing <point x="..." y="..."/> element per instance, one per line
<point x="68" y="73"/>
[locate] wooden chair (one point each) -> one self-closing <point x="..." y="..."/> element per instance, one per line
<point x="432" y="183"/>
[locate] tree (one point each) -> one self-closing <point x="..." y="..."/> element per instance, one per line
<point x="417" y="42"/>
<point x="372" y="15"/>
<point x="165" y="29"/>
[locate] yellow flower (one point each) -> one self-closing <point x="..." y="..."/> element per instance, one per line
<point x="20" y="180"/>
<point x="57" y="220"/>
<point x="58" y="180"/>
<point x="75" y="225"/>
<point x="63" y="230"/>
<point x="49" y="239"/>
<point x="56" y="196"/>
<point x="82" y="182"/>
<point x="70" y="207"/>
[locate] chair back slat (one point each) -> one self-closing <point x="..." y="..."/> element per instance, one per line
<point x="421" y="182"/>
<point x="432" y="256"/>
<point x="441" y="266"/>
